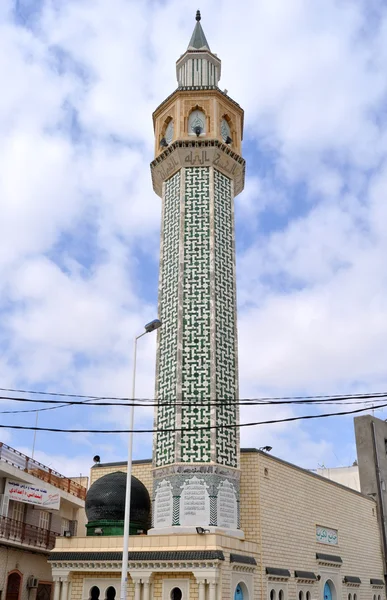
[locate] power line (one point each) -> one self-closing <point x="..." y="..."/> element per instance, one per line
<point x="126" y="398"/>
<point x="150" y="402"/>
<point x="182" y="429"/>
<point x="188" y="404"/>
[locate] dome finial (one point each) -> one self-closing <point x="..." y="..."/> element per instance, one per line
<point x="198" y="17"/>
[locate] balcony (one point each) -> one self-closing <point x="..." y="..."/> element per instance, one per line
<point x="23" y="533"/>
<point x="29" y="465"/>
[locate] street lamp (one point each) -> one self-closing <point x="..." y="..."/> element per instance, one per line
<point x="149" y="327"/>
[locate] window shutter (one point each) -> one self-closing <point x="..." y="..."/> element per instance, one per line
<point x="4" y="504"/>
<point x="73" y="527"/>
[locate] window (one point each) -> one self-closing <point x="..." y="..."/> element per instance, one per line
<point x="65" y="526"/>
<point x="349" y="596"/>
<point x="301" y="595"/>
<point x="94" y="593"/>
<point x="44" y="519"/>
<point x="238" y="593"/>
<point x="328" y="591"/>
<point x="176" y="594"/>
<point x="355" y="597"/>
<point x="197" y="123"/>
<point x="18" y="510"/>
<point x="278" y="590"/>
<point x="110" y="593"/>
<point x="308" y="596"/>
<point x="44" y="591"/>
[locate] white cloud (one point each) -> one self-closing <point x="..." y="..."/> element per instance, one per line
<point x="80" y="223"/>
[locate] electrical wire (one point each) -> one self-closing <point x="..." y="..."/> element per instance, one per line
<point x="212" y="401"/>
<point x="188" y="404"/>
<point x="125" y="398"/>
<point x="190" y="429"/>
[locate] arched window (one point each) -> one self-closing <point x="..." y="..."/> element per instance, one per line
<point x="238" y="593"/>
<point x="176" y="594"/>
<point x="13" y="586"/>
<point x="272" y="595"/>
<point x="328" y="591"/>
<point x="349" y="596"/>
<point x="241" y="592"/>
<point x="94" y="593"/>
<point x="355" y="597"/>
<point x="110" y="593"/>
<point x="300" y="595"/>
<point x="197" y="123"/>
<point x="307" y="595"/>
<point x="281" y="595"/>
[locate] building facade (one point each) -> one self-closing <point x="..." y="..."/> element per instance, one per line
<point x="37" y="505"/>
<point x="371" y="445"/>
<point x="305" y="538"/>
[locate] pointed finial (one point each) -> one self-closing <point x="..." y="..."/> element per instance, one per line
<point x="198" y="17"/>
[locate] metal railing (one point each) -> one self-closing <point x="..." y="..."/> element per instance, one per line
<point x="33" y="467"/>
<point x="24" y="533"/>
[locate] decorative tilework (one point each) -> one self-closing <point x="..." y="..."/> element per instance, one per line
<point x="197" y="344"/>
<point x="225" y="316"/>
<point x="196" y="351"/>
<point x="168" y="313"/>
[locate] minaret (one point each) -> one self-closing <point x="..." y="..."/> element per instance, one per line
<point x="197" y="171"/>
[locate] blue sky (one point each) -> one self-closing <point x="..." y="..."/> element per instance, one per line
<point x="80" y="223"/>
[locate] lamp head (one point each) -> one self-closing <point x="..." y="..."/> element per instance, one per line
<point x="97" y="459"/>
<point x="266" y="448"/>
<point x="155" y="324"/>
<point x="163" y="142"/>
<point x="201" y="530"/>
<point x="198" y="130"/>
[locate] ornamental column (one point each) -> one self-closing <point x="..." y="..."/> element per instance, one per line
<point x="197" y="171"/>
<point x="56" y="581"/>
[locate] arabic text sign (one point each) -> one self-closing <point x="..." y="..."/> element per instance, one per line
<point x="30" y="494"/>
<point x="327" y="536"/>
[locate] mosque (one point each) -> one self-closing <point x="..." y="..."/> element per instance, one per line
<point x="208" y="520"/>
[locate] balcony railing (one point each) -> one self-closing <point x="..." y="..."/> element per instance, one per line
<point x="29" y="465"/>
<point x="24" y="533"/>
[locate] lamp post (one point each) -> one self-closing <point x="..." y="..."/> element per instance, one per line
<point x="155" y="324"/>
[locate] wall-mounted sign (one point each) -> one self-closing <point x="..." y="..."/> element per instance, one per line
<point x="327" y="536"/>
<point x="32" y="494"/>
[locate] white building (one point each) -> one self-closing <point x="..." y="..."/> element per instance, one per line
<point x="37" y="505"/>
<point x="348" y="476"/>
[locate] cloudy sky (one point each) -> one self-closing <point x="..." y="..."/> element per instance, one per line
<point x="80" y="223"/>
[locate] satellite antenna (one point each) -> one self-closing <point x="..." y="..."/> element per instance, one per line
<point x="97" y="459"/>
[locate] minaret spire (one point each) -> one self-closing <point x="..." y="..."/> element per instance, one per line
<point x="198" y="66"/>
<point x="198" y="40"/>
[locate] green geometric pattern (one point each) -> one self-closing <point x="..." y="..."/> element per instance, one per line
<point x="196" y="364"/>
<point x="168" y="313"/>
<point x="225" y="317"/>
<point x="206" y="366"/>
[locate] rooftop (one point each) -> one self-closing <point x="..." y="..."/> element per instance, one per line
<point x="24" y="463"/>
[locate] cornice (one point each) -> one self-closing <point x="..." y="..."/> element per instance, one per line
<point x="155" y="566"/>
<point x="204" y="153"/>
